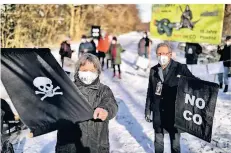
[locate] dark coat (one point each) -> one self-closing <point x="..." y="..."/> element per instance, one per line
<point x="65" y="50"/>
<point x="225" y="55"/>
<point x="191" y="58"/>
<point x="88" y="46"/>
<point x="91" y="136"/>
<point x="163" y="106"/>
<point x="94" y="48"/>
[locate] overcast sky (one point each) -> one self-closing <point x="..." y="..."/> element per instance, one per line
<point x="145" y="12"/>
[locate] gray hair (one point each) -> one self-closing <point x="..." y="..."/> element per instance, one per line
<point x="90" y="58"/>
<point x="164" y="44"/>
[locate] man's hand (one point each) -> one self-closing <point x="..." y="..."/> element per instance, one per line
<point x="148" y="118"/>
<point x="100" y="113"/>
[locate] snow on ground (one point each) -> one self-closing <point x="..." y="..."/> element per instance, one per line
<point x="129" y="132"/>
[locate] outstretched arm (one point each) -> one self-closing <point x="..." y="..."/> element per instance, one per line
<point x="109" y="103"/>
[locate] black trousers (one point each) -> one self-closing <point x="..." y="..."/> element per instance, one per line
<point x="114" y="70"/>
<point x="108" y="63"/>
<point x="174" y="140"/>
<point x="101" y="55"/>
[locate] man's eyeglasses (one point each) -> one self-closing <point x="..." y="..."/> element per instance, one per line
<point x="159" y="54"/>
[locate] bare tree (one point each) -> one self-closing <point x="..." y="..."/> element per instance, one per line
<point x="227" y="20"/>
<point x="42" y="25"/>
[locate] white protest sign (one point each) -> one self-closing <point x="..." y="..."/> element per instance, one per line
<point x="68" y="65"/>
<point x="215" y="68"/>
<point x="199" y="70"/>
<point x="142" y="62"/>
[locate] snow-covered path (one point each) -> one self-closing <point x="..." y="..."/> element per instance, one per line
<point x="129" y="132"/>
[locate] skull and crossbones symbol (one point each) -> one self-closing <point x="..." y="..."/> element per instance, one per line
<point x="45" y="86"/>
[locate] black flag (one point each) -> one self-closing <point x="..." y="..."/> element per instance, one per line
<point x="40" y="90"/>
<point x="195" y="107"/>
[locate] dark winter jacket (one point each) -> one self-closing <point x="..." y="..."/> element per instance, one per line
<point x="225" y="55"/>
<point x="65" y="50"/>
<point x="116" y="59"/>
<point x="163" y="106"/>
<point x="192" y="56"/>
<point x="86" y="47"/>
<point x="90" y="136"/>
<point x="94" y="47"/>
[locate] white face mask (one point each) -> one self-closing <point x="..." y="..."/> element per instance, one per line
<point x="144" y="36"/>
<point x="163" y="60"/>
<point x="87" y="77"/>
<point x="88" y="40"/>
<point x="83" y="40"/>
<point x="113" y="42"/>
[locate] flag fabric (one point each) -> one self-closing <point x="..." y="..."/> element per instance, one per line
<point x="195" y="107"/>
<point x="40" y="90"/>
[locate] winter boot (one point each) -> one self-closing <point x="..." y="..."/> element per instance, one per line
<point x="114" y="75"/>
<point x="221" y="85"/>
<point x="226" y="88"/>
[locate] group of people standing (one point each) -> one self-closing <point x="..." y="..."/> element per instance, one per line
<point x="111" y="50"/>
<point x="192" y="51"/>
<point x="161" y="92"/>
<point x="104" y="47"/>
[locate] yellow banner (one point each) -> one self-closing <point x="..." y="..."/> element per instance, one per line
<point x="197" y="23"/>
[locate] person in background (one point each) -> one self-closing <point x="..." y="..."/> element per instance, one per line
<point x="226" y="58"/>
<point x="114" y="52"/>
<point x="83" y="46"/>
<point x="10" y="117"/>
<point x="103" y="46"/>
<point x="65" y="50"/>
<point x="93" y="45"/>
<point x="90" y="136"/>
<point x="89" y="46"/>
<point x="108" y="58"/>
<point x="192" y="50"/>
<point x="161" y="96"/>
<point x="144" y="47"/>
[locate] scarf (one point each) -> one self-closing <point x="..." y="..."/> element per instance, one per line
<point x="114" y="51"/>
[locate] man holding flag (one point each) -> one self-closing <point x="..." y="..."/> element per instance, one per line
<point x="179" y="101"/>
<point x="161" y="96"/>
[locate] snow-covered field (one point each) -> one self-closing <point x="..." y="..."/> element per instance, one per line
<point x="129" y="132"/>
